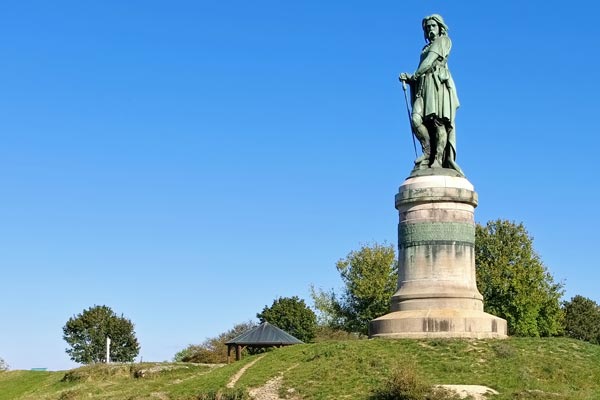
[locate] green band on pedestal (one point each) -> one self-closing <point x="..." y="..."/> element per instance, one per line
<point x="411" y="234"/>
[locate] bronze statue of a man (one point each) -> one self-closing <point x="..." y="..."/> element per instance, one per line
<point x="434" y="99"/>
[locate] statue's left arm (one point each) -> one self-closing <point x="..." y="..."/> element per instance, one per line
<point x="437" y="53"/>
<point x="425" y="65"/>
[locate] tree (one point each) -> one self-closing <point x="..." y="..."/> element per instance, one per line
<point x="370" y="277"/>
<point x="3" y="365"/>
<point x="582" y="319"/>
<point x="293" y="316"/>
<point x="212" y="350"/>
<point x="514" y="282"/>
<point x="86" y="335"/>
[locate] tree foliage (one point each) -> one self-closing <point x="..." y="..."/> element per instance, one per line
<point x="212" y="350"/>
<point x="86" y="335"/>
<point x="370" y="277"/>
<point x="514" y="282"/>
<point x="582" y="319"/>
<point x="3" y="365"/>
<point x="293" y="316"/>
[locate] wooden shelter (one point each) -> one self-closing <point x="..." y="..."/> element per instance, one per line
<point x="263" y="336"/>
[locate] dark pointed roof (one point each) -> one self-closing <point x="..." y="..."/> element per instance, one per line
<point x="265" y="334"/>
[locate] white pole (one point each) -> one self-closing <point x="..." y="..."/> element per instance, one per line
<point x="107" y="349"/>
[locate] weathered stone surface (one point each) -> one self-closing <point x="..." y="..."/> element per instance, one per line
<point x="476" y="392"/>
<point x="437" y="292"/>
<point x="438" y="323"/>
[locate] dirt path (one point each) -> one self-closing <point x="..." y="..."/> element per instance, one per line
<point x="269" y="391"/>
<point x="239" y="374"/>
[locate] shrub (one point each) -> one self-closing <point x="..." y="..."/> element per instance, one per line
<point x="212" y="350"/>
<point x="405" y="384"/>
<point x="185" y="353"/>
<point x="504" y="350"/>
<point x="582" y="319"/>
<point x="326" y="333"/>
<point x="3" y="365"/>
<point x="70" y="395"/>
<point x="96" y="373"/>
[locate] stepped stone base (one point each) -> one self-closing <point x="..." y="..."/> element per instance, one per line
<point x="440" y="323"/>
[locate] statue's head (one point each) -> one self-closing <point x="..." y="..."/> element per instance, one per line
<point x="434" y="26"/>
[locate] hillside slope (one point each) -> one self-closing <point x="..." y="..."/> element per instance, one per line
<point x="518" y="368"/>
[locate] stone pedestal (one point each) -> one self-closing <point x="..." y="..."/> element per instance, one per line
<point x="437" y="293"/>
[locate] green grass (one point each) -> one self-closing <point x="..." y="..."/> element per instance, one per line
<point x="518" y="368"/>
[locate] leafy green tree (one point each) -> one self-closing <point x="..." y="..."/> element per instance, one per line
<point x="370" y="277"/>
<point x="330" y="309"/>
<point x="3" y="365"/>
<point x="582" y="319"/>
<point x="212" y="350"/>
<point x="514" y="282"/>
<point x="293" y="316"/>
<point x="185" y="354"/>
<point x="86" y="335"/>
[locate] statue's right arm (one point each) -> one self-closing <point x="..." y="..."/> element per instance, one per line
<point x="405" y="77"/>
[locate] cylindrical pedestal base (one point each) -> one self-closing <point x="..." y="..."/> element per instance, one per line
<point x="437" y="293"/>
<point x="440" y="323"/>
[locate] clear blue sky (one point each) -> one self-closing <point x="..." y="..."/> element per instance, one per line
<point x="187" y="162"/>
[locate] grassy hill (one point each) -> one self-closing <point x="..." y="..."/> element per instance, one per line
<point x="518" y="368"/>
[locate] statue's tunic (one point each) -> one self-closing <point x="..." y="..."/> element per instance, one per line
<point x="436" y="88"/>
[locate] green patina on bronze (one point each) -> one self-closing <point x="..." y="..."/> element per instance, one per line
<point x="410" y="234"/>
<point x="434" y="100"/>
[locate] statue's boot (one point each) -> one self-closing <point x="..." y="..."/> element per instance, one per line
<point x="423" y="161"/>
<point x="442" y="139"/>
<point x="422" y="134"/>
